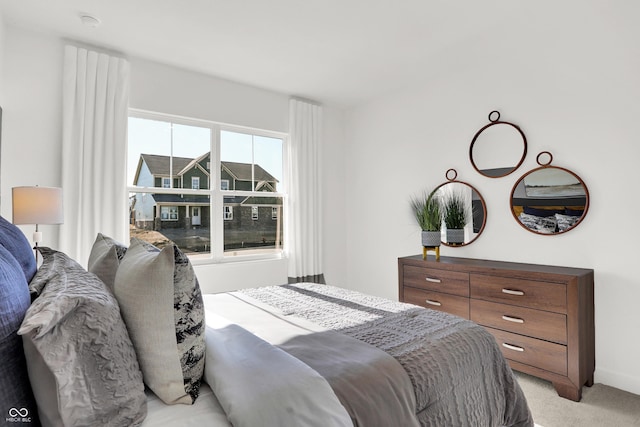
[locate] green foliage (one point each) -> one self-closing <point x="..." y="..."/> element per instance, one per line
<point x="455" y="210"/>
<point x="428" y="211"/>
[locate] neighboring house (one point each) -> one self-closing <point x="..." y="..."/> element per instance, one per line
<point x="246" y="219"/>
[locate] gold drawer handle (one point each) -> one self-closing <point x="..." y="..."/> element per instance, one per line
<point x="431" y="302"/>
<point x="512" y="319"/>
<point x="512" y="292"/>
<point x="512" y="347"/>
<point x="429" y="279"/>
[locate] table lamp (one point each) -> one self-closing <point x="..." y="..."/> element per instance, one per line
<point x="37" y="205"/>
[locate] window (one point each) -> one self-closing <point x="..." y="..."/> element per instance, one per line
<point x="184" y="172"/>
<point x="228" y="213"/>
<point x="169" y="213"/>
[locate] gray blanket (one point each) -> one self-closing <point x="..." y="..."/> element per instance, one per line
<point x="458" y="373"/>
<point x="362" y="376"/>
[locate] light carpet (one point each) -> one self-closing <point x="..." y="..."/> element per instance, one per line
<point x="601" y="405"/>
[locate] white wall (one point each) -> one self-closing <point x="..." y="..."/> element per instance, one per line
<point x="569" y="79"/>
<point x="32" y="121"/>
<point x="1" y="58"/>
<point x="32" y="132"/>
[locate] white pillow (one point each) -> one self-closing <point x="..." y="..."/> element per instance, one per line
<point x="161" y="304"/>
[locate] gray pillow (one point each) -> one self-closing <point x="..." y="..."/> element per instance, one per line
<point x="105" y="258"/>
<point x="82" y="365"/>
<point x="161" y="304"/>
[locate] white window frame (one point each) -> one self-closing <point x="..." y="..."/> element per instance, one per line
<point x="254" y="213"/>
<point x="228" y="213"/>
<point x="224" y="184"/>
<point x="171" y="213"/>
<point x="217" y="195"/>
<point x="195" y="182"/>
<point x="274" y="212"/>
<point x="166" y="182"/>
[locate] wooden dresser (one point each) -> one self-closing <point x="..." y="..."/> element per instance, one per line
<point x="541" y="316"/>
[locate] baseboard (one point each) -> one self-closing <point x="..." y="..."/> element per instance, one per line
<point x="615" y="379"/>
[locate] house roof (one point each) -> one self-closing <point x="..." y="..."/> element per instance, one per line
<point x="177" y="199"/>
<point x="242" y="172"/>
<point x="159" y="165"/>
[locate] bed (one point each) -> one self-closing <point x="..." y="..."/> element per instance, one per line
<point x="291" y="355"/>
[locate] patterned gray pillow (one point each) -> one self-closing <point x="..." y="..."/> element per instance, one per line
<point x="565" y="222"/>
<point x="161" y="304"/>
<point x="545" y="225"/>
<point x="82" y="364"/>
<point x="105" y="258"/>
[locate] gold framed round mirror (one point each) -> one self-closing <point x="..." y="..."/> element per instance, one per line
<point x="464" y="211"/>
<point x="549" y="200"/>
<point x="498" y="148"/>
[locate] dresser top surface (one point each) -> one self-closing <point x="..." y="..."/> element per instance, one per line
<point x="484" y="266"/>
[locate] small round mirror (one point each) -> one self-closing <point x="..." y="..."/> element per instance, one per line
<point x="549" y="200"/>
<point x="498" y="148"/>
<point x="464" y="211"/>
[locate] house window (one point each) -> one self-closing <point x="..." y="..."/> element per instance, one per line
<point x="242" y="168"/>
<point x="274" y="213"/>
<point x="228" y="213"/>
<point x="169" y="213"/>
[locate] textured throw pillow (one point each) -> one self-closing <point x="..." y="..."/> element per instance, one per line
<point x="16" y="399"/>
<point x="81" y="361"/>
<point x="545" y="225"/>
<point x="565" y="222"/>
<point x="105" y="258"/>
<point x="14" y="241"/>
<point x="161" y="304"/>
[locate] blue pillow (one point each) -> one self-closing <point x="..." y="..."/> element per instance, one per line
<point x="16" y="398"/>
<point x="542" y="212"/>
<point x="573" y="212"/>
<point x="14" y="241"/>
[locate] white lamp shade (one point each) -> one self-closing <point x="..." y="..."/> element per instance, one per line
<point x="37" y="205"/>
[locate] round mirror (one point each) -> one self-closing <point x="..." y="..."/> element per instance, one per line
<point x="498" y="148"/>
<point x="549" y="200"/>
<point x="464" y="211"/>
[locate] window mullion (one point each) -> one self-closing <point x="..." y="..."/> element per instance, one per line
<point x="217" y="215"/>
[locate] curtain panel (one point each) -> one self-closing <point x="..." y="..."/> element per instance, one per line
<point x="304" y="237"/>
<point x="94" y="137"/>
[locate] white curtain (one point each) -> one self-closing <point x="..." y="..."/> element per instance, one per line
<point x="304" y="235"/>
<point x="94" y="141"/>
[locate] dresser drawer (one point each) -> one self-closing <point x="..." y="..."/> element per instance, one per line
<point x="451" y="282"/>
<point x="520" y="320"/>
<point x="438" y="301"/>
<point x="530" y="351"/>
<point x="525" y="293"/>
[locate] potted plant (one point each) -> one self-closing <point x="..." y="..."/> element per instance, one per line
<point x="456" y="215"/>
<point x="428" y="212"/>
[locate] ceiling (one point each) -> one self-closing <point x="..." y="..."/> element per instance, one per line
<point x="338" y="52"/>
